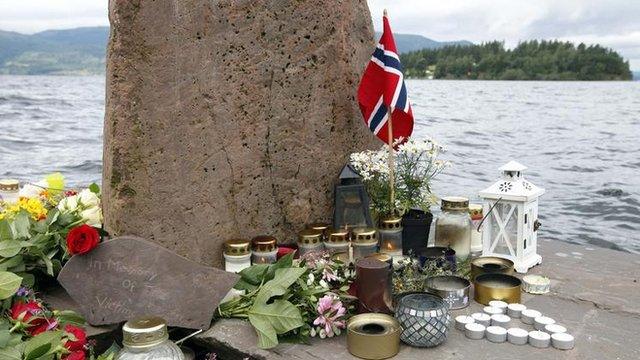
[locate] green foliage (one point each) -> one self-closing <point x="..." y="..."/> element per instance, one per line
<point x="9" y="284"/>
<point x="29" y="247"/>
<point x="530" y="60"/>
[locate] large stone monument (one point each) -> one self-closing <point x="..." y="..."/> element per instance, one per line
<point x="229" y="118"/>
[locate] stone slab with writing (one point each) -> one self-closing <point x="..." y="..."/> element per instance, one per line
<point x="127" y="277"/>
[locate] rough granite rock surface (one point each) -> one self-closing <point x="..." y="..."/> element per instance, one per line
<point x="229" y="118"/>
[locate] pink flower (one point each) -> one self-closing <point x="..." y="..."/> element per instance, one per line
<point x="328" y="275"/>
<point x="330" y="312"/>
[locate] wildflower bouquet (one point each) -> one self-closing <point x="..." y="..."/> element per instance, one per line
<point x="292" y="300"/>
<point x="416" y="163"/>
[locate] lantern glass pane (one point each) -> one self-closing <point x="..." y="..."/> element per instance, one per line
<point x="505" y="227"/>
<point x="351" y="208"/>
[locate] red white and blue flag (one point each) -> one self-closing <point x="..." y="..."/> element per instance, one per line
<point x="382" y="87"/>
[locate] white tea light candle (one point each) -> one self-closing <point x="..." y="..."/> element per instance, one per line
<point x="515" y="310"/>
<point x="496" y="334"/>
<point x="541" y="321"/>
<point x="539" y="339"/>
<point x="462" y="320"/>
<point x="529" y="315"/>
<point x="492" y="310"/>
<point x="562" y="341"/>
<point x="499" y="304"/>
<point x="482" y="318"/>
<point x="500" y="320"/>
<point x="555" y="328"/>
<point x="474" y="331"/>
<point x="517" y="336"/>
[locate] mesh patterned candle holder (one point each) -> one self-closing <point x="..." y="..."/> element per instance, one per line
<point x="424" y="319"/>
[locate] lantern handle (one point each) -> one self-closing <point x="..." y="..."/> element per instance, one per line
<point x="487" y="214"/>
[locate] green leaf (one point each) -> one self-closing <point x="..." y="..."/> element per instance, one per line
<point x="41" y="344"/>
<point x="94" y="188"/>
<point x="11" y="353"/>
<point x="22" y="225"/>
<point x="9" y="263"/>
<point x="279" y="284"/>
<point x="254" y="274"/>
<point x="5" y="336"/>
<point x="69" y="317"/>
<point x="10" y="248"/>
<point x="6" y="231"/>
<point x="9" y="284"/>
<point x="28" y="279"/>
<point x="243" y="285"/>
<point x="284" y="262"/>
<point x="269" y="320"/>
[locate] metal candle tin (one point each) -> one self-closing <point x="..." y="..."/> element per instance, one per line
<point x="373" y="336"/>
<point x="497" y="287"/>
<point x="453" y="289"/>
<point x="491" y="265"/>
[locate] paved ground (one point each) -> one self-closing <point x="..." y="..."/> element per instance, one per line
<point x="595" y="294"/>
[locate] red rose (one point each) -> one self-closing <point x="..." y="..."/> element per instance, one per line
<point x="80" y="338"/>
<point x="82" y="239"/>
<point x="284" y="250"/>
<point x="24" y="313"/>
<point x="76" y="355"/>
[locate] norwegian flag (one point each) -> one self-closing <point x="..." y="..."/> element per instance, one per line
<point x="382" y="87"/>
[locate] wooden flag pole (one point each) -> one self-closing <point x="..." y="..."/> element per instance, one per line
<point x="391" y="162"/>
<point x="392" y="181"/>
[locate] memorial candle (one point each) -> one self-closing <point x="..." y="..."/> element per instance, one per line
<point x="264" y="250"/>
<point x="237" y="255"/>
<point x="373" y="284"/>
<point x="390" y="230"/>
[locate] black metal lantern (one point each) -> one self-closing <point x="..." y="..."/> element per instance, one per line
<point x="351" y="202"/>
<point x="415" y="230"/>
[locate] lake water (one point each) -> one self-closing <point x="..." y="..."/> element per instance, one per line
<point x="580" y="140"/>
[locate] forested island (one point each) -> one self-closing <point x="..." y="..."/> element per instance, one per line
<point x="530" y="60"/>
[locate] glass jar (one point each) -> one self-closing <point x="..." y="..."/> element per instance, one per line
<point x="390" y="232"/>
<point x="453" y="226"/>
<point x="475" y="211"/>
<point x="147" y="338"/>
<point x="309" y="240"/>
<point x="337" y="241"/>
<point x="365" y="242"/>
<point x="9" y="190"/>
<point x="264" y="250"/>
<point x="320" y="226"/>
<point x="237" y="255"/>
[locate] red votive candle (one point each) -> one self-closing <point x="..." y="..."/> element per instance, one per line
<point x="373" y="284"/>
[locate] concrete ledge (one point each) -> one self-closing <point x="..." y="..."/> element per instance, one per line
<point x="595" y="294"/>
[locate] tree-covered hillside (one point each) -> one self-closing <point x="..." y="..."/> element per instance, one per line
<point x="73" y="51"/>
<point x="530" y="60"/>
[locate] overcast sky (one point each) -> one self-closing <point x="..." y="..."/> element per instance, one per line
<point x="613" y="23"/>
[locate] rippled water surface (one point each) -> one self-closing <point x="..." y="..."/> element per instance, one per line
<point x="580" y="140"/>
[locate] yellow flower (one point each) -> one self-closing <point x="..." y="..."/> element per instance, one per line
<point x="34" y="207"/>
<point x="55" y="182"/>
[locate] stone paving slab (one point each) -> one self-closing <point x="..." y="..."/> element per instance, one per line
<point x="595" y="294"/>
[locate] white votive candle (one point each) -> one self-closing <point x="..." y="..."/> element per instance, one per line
<point x="517" y="336"/>
<point x="499" y="304"/>
<point x="492" y="310"/>
<point x="515" y="310"/>
<point x="462" y="320"/>
<point x="496" y="334"/>
<point x="541" y="321"/>
<point x="529" y="315"/>
<point x="474" y="331"/>
<point x="500" y="320"/>
<point x="562" y="341"/>
<point x="539" y="339"/>
<point x="555" y="328"/>
<point x="482" y="318"/>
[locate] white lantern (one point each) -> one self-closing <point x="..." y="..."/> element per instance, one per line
<point x="510" y="230"/>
